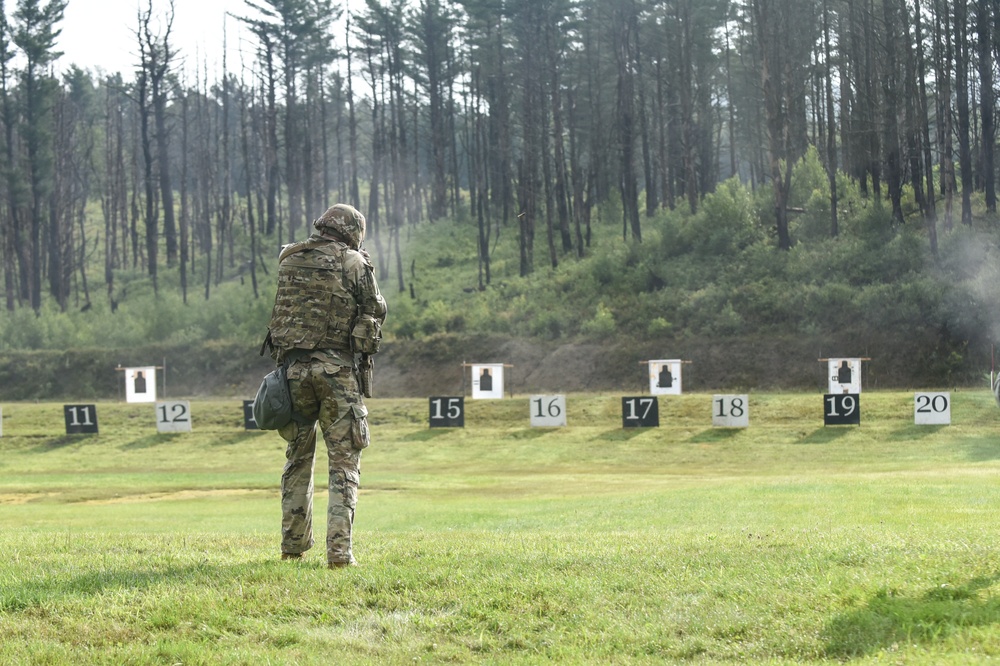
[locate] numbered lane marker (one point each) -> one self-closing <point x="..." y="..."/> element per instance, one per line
<point x="80" y="419"/>
<point x="548" y="411"/>
<point x="447" y="412"/>
<point x="731" y="411"/>
<point x="932" y="408"/>
<point x="174" y="416"/>
<point x="641" y="412"/>
<point x="249" y="422"/>
<point x="841" y="409"/>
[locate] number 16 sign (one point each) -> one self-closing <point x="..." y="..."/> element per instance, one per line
<point x="548" y="411"/>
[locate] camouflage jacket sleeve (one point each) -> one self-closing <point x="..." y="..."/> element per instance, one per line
<point x="361" y="274"/>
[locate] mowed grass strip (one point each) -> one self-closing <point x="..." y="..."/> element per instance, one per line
<point x="786" y="542"/>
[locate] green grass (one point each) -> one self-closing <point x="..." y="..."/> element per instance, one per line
<point x="786" y="542"/>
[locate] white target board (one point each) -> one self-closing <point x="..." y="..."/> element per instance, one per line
<point x="932" y="408"/>
<point x="844" y="375"/>
<point x="731" y="411"/>
<point x="665" y="377"/>
<point x="140" y="384"/>
<point x="173" y="416"/>
<point x="487" y="381"/>
<point x="548" y="411"/>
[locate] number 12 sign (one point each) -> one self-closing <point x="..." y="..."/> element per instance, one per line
<point x="173" y="416"/>
<point x="841" y="409"/>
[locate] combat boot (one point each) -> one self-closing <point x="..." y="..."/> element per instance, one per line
<point x="341" y="565"/>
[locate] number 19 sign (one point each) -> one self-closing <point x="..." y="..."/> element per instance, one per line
<point x="841" y="409"/>
<point x="548" y="411"/>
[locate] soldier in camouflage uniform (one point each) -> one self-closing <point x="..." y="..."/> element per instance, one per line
<point x="327" y="313"/>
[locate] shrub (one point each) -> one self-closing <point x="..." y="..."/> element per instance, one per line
<point x="602" y="324"/>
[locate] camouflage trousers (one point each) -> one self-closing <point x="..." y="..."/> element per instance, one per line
<point x="324" y="392"/>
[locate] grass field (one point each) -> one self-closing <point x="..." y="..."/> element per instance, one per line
<point x="786" y="542"/>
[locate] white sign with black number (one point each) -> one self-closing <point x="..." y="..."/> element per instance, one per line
<point x="932" y="408"/>
<point x="548" y="411"/>
<point x="173" y="416"/>
<point x="731" y="411"/>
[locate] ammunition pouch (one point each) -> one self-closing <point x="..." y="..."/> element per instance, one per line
<point x="366" y="335"/>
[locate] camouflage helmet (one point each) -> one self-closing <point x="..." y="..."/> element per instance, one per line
<point x="343" y="221"/>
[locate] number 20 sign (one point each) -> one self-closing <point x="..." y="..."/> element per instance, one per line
<point x="932" y="409"/>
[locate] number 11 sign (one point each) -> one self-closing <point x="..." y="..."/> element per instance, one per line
<point x="80" y="419"/>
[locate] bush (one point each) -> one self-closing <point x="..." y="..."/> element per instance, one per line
<point x="602" y="324"/>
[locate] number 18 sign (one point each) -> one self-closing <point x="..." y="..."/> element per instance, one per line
<point x="731" y="411"/>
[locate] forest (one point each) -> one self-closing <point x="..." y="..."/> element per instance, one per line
<point x="678" y="167"/>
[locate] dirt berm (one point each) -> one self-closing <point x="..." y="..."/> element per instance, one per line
<point x="434" y="366"/>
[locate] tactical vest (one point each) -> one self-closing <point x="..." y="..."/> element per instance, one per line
<point x="314" y="307"/>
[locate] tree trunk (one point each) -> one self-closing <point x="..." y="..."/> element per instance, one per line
<point x="985" y="18"/>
